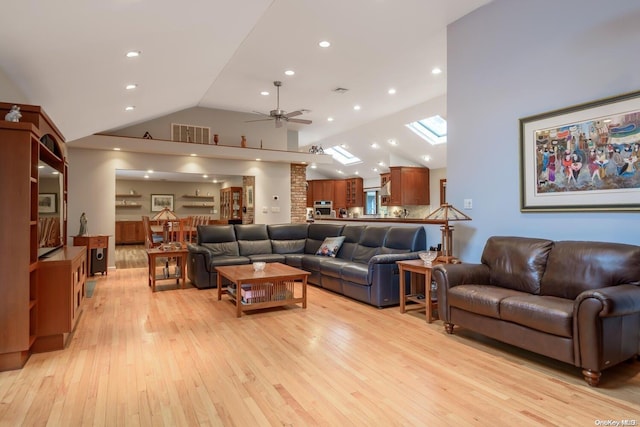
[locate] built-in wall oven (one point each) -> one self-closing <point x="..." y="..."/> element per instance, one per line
<point x="323" y="209"/>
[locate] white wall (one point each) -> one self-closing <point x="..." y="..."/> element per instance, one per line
<point x="10" y="92"/>
<point x="509" y="60"/>
<point x="92" y="185"/>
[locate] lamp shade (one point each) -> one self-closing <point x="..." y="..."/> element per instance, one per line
<point x="166" y="214"/>
<point x="447" y="213"/>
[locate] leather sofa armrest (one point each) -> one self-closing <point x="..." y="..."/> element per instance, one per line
<point x="392" y="258"/>
<point x="613" y="301"/>
<point x="197" y="249"/>
<point x="447" y="276"/>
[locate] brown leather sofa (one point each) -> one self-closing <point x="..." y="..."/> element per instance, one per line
<point x="578" y="302"/>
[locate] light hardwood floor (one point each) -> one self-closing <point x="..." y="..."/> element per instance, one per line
<point x="182" y="358"/>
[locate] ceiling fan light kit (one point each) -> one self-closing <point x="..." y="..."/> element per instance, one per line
<point x="279" y="115"/>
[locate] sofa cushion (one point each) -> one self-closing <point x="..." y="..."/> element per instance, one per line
<point x="330" y="246"/>
<point x="333" y="267"/>
<point x="267" y="258"/>
<point x="357" y="273"/>
<point x="254" y="247"/>
<point x="369" y="245"/>
<point x="287" y="231"/>
<point x="288" y="246"/>
<point x="552" y="315"/>
<point x="574" y="267"/>
<point x="229" y="260"/>
<point x="317" y="233"/>
<point x="352" y="235"/>
<point x="251" y="232"/>
<point x="516" y="262"/>
<point x="215" y="234"/>
<point x="404" y="239"/>
<point x="480" y="299"/>
<point x="222" y="249"/>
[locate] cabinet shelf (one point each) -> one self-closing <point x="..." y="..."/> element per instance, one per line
<point x="128" y="195"/>
<point x="128" y="205"/>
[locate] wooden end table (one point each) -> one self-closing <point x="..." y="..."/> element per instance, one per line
<point x="277" y="285"/>
<point x="416" y="267"/>
<point x="181" y="259"/>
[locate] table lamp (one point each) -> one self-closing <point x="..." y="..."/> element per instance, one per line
<point x="166" y="215"/>
<point x="447" y="213"/>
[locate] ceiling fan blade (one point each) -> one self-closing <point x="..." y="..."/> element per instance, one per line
<point x="262" y="114"/>
<point x="258" y="120"/>
<point x="303" y="121"/>
<point x="292" y="114"/>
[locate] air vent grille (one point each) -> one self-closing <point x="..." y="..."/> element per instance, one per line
<point x="340" y="90"/>
<point x="190" y="133"/>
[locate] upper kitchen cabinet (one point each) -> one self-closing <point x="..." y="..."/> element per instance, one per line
<point x="405" y="185"/>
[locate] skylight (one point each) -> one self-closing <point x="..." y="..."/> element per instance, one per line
<point x="432" y="129"/>
<point x="342" y="155"/>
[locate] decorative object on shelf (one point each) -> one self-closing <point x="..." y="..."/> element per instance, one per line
<point x="260" y="144"/>
<point x="316" y="149"/>
<point x="215" y="138"/>
<point x="132" y="192"/>
<point x="447" y="213"/>
<point x="243" y="142"/>
<point x="147" y="135"/>
<point x="581" y="158"/>
<point x="14" y="114"/>
<point x="83" y="225"/>
<point x="197" y="191"/>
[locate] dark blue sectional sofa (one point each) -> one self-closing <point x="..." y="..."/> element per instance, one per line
<point x="363" y="269"/>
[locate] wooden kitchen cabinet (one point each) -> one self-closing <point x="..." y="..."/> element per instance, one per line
<point x="339" y="194"/>
<point x="354" y="192"/>
<point x="408" y="186"/>
<point x="321" y="189"/>
<point x="129" y="232"/>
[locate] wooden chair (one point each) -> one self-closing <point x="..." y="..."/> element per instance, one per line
<point x="151" y="240"/>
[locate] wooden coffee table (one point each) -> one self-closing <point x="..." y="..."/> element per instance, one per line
<point x="277" y="285"/>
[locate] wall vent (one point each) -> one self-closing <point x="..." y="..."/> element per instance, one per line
<point x="340" y="90"/>
<point x="190" y="133"/>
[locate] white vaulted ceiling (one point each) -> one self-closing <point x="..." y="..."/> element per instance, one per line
<point x="69" y="56"/>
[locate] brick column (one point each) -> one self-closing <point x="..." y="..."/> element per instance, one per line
<point x="298" y="193"/>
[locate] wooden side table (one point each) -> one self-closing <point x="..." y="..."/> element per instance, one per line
<point x="97" y="251"/>
<point x="416" y="267"/>
<point x="181" y="259"/>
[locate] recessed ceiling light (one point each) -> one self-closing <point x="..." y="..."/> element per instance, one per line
<point x="324" y="43"/>
<point x="42" y="167"/>
<point x="55" y="173"/>
<point x="133" y="53"/>
<point x="205" y="176"/>
<point x="374" y="145"/>
<point x="393" y="142"/>
<point x="264" y="93"/>
<point x="329" y="119"/>
<point x="356" y="107"/>
<point x="193" y="155"/>
<point x="313" y="166"/>
<point x="130" y="108"/>
<point x="150" y="171"/>
<point x="215" y="181"/>
<point x="131" y="86"/>
<point x="426" y="158"/>
<point x="258" y="159"/>
<point x="375" y="169"/>
<point x="436" y="70"/>
<point x="357" y="173"/>
<point x="146" y="176"/>
<point x="116" y="149"/>
<point x="380" y="163"/>
<point x="391" y="91"/>
<point x="289" y="72"/>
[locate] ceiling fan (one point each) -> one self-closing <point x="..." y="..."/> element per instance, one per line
<point x="280" y="115"/>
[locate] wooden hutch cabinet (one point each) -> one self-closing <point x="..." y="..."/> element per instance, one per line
<point x="408" y="186"/>
<point x="355" y="192"/>
<point x="231" y="203"/>
<point x="32" y="142"/>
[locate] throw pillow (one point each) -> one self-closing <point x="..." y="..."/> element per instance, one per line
<point x="330" y="246"/>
